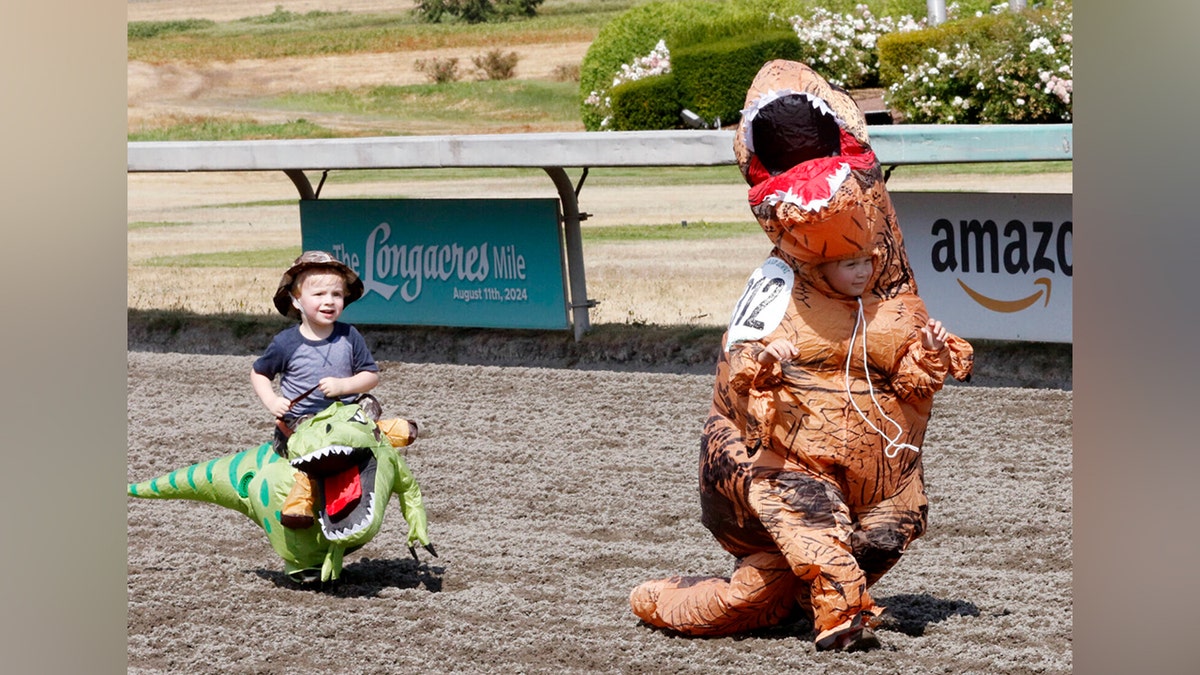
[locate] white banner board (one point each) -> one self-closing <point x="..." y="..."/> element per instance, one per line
<point x="991" y="265"/>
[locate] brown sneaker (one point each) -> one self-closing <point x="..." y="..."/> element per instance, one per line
<point x="399" y="432"/>
<point x="853" y="636"/>
<point x="297" y="508"/>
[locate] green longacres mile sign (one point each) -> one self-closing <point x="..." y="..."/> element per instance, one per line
<point x="488" y="263"/>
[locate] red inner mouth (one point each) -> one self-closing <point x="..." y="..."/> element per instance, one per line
<point x="342" y="492"/>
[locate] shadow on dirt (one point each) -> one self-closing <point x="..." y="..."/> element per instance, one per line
<point x="367" y="578"/>
<point x="689" y="350"/>
<point x="912" y="613"/>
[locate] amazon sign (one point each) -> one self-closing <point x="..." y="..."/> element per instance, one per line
<point x="990" y="265"/>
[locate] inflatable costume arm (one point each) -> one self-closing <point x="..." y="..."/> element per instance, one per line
<point x="412" y="505"/>
<point x="921" y="373"/>
<point x="746" y="374"/>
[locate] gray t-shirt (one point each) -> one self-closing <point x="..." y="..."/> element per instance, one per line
<point x="300" y="363"/>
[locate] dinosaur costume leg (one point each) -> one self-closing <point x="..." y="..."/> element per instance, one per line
<point x="810" y="522"/>
<point x="297" y="511"/>
<point x="759" y="593"/>
<point x="886" y="529"/>
<point x="815" y="567"/>
<point x="400" y="432"/>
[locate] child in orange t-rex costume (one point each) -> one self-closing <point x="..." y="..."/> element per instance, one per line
<point x="810" y="460"/>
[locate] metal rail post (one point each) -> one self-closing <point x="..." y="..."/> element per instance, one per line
<point x="576" y="279"/>
<point x="935" y="11"/>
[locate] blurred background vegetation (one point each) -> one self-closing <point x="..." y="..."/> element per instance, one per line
<point x="976" y="67"/>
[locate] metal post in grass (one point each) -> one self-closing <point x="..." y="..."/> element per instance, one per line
<point x="936" y="11"/>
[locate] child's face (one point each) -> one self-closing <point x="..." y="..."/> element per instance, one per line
<point x="848" y="277"/>
<point x="322" y="298"/>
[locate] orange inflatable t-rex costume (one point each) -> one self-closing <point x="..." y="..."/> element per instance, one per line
<point x="810" y="468"/>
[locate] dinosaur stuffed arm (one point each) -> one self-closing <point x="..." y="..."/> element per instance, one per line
<point x="412" y="506"/>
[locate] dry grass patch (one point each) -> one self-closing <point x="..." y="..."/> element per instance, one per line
<point x="681" y="282"/>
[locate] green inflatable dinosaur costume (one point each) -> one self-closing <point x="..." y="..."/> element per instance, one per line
<point x="354" y="470"/>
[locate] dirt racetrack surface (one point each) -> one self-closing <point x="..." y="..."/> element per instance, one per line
<point x="551" y="493"/>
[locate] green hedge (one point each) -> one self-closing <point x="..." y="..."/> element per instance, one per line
<point x="680" y="23"/>
<point x="710" y="52"/>
<point x="652" y="103"/>
<point x="629" y="36"/>
<point x="899" y="49"/>
<point x="709" y="79"/>
<point x="713" y="78"/>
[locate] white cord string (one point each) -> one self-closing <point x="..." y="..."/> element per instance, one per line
<point x="895" y="443"/>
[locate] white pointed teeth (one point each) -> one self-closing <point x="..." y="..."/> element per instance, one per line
<point x="323" y="453"/>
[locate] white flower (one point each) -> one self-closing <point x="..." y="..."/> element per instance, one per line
<point x="1041" y="44"/>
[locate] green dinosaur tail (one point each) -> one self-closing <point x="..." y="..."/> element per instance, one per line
<point x="224" y="480"/>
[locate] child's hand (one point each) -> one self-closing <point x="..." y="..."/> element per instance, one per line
<point x="933" y="335"/>
<point x="279" y="406"/>
<point x="333" y="387"/>
<point x="780" y="349"/>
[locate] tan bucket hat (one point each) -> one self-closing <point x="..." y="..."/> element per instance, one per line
<point x="309" y="260"/>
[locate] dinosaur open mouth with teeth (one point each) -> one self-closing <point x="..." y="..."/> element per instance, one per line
<point x="343" y="481"/>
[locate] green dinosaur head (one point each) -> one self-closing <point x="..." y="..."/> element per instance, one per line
<point x="354" y="469"/>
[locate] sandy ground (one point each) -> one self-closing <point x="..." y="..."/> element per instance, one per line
<point x="551" y="494"/>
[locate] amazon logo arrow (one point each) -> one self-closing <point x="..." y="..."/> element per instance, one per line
<point x="1008" y="306"/>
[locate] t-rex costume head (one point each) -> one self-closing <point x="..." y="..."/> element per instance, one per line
<point x="353" y="467"/>
<point x="816" y="188"/>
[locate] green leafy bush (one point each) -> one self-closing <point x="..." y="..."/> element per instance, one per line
<point x="897" y="50"/>
<point x="652" y="103"/>
<point x="474" y="11"/>
<point x="999" y="66"/>
<point x="1007" y="68"/>
<point x="627" y="38"/>
<point x="713" y="77"/>
<point x="639" y="42"/>
<point x="437" y="11"/>
<point x="842" y="45"/>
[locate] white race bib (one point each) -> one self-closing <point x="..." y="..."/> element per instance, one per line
<point x="763" y="303"/>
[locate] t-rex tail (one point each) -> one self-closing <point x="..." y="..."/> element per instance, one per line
<point x="226" y="481"/>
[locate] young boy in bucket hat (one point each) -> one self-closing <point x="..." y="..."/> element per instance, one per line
<point x="319" y="361"/>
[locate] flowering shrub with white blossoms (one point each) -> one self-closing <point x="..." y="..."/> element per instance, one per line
<point x="1029" y="81"/>
<point x="657" y="62"/>
<point x="842" y="46"/>
<point x="1024" y="82"/>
